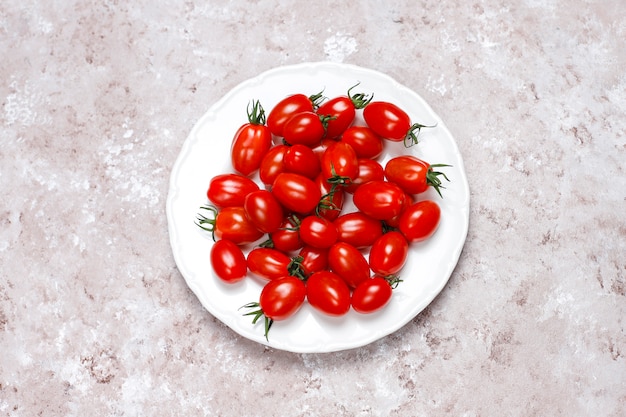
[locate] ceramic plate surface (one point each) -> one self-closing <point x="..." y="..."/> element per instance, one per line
<point x="206" y="153"/>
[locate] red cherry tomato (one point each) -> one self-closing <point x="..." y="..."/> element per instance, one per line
<point x="349" y="263"/>
<point x="304" y="128"/>
<point x="381" y="200"/>
<point x="263" y="210"/>
<point x="388" y="254"/>
<point x="296" y="192"/>
<point x="287" y="238"/>
<point x="358" y="229"/>
<point x="420" y="221"/>
<point x="230" y="190"/>
<point x="318" y="232"/>
<point x="313" y="259"/>
<point x="286" y="108"/>
<point x="273" y="164"/>
<point x="282" y="298"/>
<point x="251" y="142"/>
<point x="328" y="293"/>
<point x="365" y="142"/>
<point x="371" y="295"/>
<point x="331" y="202"/>
<point x="341" y="112"/>
<point x="387" y="120"/>
<point x="268" y="263"/>
<point x="228" y="261"/>
<point x="229" y="223"/>
<point x="369" y="170"/>
<point x="339" y="162"/>
<point x="412" y="174"/>
<point x="301" y="159"/>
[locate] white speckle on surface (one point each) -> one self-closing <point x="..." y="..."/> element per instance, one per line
<point x="339" y="46"/>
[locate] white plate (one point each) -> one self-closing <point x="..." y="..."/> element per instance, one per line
<point x="205" y="154"/>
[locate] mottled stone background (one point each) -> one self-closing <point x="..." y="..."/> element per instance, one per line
<point x="97" y="98"/>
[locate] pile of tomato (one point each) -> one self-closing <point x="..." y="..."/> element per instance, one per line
<point x="281" y="214"/>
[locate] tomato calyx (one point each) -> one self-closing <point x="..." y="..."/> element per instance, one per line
<point x="359" y="100"/>
<point x="206" y="223"/>
<point x="317" y="99"/>
<point x="296" y="269"/>
<point x="258" y="313"/>
<point x="413" y="133"/>
<point x="256" y="115"/>
<point x="393" y="280"/>
<point x="432" y="177"/>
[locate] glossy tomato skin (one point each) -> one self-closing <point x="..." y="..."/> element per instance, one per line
<point x="318" y="232"/>
<point x="358" y="229"/>
<point x="349" y="263"/>
<point x="301" y="159"/>
<point x="339" y="160"/>
<point x="313" y="259"/>
<point x="287" y="238"/>
<point x="328" y="293"/>
<point x="369" y="170"/>
<point x="228" y="261"/>
<point x="341" y="113"/>
<point x="365" y="142"/>
<point x="273" y="164"/>
<point x="268" y="263"/>
<point x="387" y="120"/>
<point x="304" y="128"/>
<point x="420" y="220"/>
<point x="371" y="295"/>
<point x="232" y="223"/>
<point x="296" y="192"/>
<point x="408" y="172"/>
<point x="263" y="210"/>
<point x="230" y="190"/>
<point x="330" y="205"/>
<point x="285" y="109"/>
<point x="395" y="220"/>
<point x="250" y="144"/>
<point x="389" y="253"/>
<point x="381" y="200"/>
<point x="282" y="298"/>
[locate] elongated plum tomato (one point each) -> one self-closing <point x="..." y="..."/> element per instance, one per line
<point x="358" y="229"/>
<point x="349" y="263"/>
<point x="413" y="175"/>
<point x="381" y="200"/>
<point x="339" y="162"/>
<point x="330" y="204"/>
<point x="251" y="142"/>
<point x="301" y="159"/>
<point x="387" y="120"/>
<point x="273" y="164"/>
<point x="268" y="263"/>
<point x="282" y="298"/>
<point x="389" y="253"/>
<point x="327" y="292"/>
<point x="313" y="259"/>
<point x="371" y="295"/>
<point x="230" y="190"/>
<point x="318" y="232"/>
<point x="365" y="142"/>
<point x="340" y="111"/>
<point x="231" y="223"/>
<point x="304" y="128"/>
<point x="228" y="261"/>
<point x="285" y="109"/>
<point x="263" y="210"/>
<point x="420" y="221"/>
<point x="286" y="238"/>
<point x="296" y="192"/>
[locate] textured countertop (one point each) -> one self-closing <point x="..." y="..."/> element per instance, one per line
<point x="97" y="99"/>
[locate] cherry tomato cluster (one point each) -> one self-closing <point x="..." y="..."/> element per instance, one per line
<point x="281" y="214"/>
